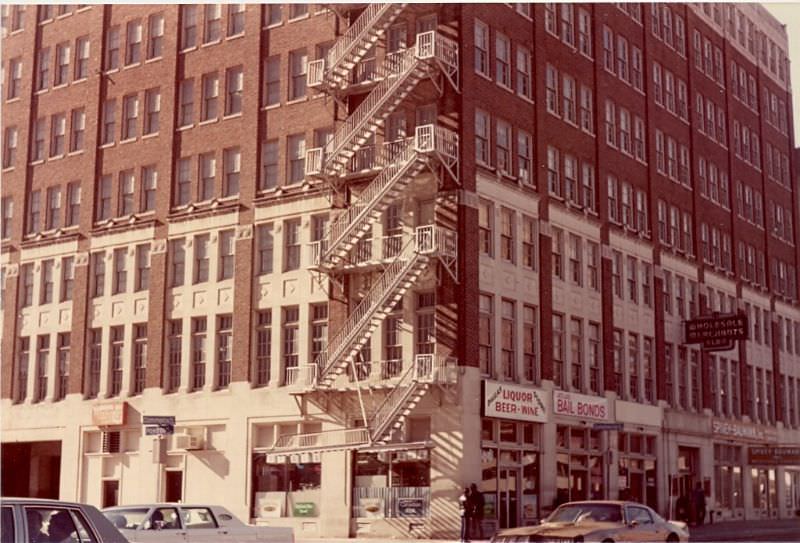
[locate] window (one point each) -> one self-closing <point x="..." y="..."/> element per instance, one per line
<point x="58" y="134"/>
<point x="297" y="11"/>
<point x="98" y="274"/>
<point x="584" y="32"/>
<point x="263" y="341"/>
<point x="529" y="348"/>
<point x="588" y="187"/>
<point x="224" y="350"/>
<point x="47" y="281"/>
<point x="34" y="213"/>
<point x="611" y="123"/>
<point x="569" y="95"/>
<point x="133" y="50"/>
<point x="558" y="349"/>
<point x="109" y="121"/>
<point x="10" y="147"/>
<point x="112" y="48"/>
<point x="524" y="156"/>
<point x="155" y="36"/>
<point x="558" y="253"/>
<point x="265" y="249"/>
<point x="234" y="85"/>
<point x="39" y="135"/>
<point x="186" y="111"/>
<point x="7" y="217"/>
<point x="622" y="59"/>
<point x="567" y="24"/>
<point x="291" y="245"/>
<point x="183" y="182"/>
<point x="616" y="273"/>
<point x="226" y="249"/>
<point x="576" y="259"/>
<point x="53" y="212"/>
<point x="210" y="95"/>
<point x="235" y="19"/>
<point x="188" y="26"/>
<point x="482" y="138"/>
<point x="152" y="104"/>
<point x="43" y="73"/>
<point x="502" y="54"/>
<point x="177" y="262"/>
<point x="524" y="87"/>
<point x="126" y="188"/>
<point x="587" y="110"/>
<point x="503" y="147"/>
<point x="319" y="329"/>
<point x="507" y="244"/>
<point x="14" y="78"/>
<point x="201" y="258"/>
<point x="231" y="161"/>
<point x="139" y="365"/>
<point x="485" y="223"/>
<point x="119" y="284"/>
<point x="297" y="69"/>
<point x="608" y="49"/>
<point x="296" y="151"/>
<point x="485" y="334"/>
<point x="142" y="277"/>
<point x="571" y="179"/>
<point x="272" y="80"/>
<point x="148" y="189"/>
<point x="208" y="174"/>
<point x="660" y="156"/>
<point x="42" y="354"/>
<point x="636" y="69"/>
<point x="130" y="113"/>
<point x="528" y="243"/>
<point x="77" y="129"/>
<point x="507" y="341"/>
<point x="625" y="131"/>
<point x="613" y="200"/>
<point x="553" y="172"/>
<point x="638" y="138"/>
<point x="269" y="165"/>
<point x="551" y="83"/>
<point x="550" y="18"/>
<point x="62" y="64"/>
<point x="199" y="346"/>
<point x="290" y="337"/>
<point x="213" y="23"/>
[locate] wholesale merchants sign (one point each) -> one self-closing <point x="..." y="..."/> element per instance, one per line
<point x="716" y="331"/>
<point x="515" y="402"/>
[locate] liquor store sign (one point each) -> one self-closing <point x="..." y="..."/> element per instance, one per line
<point x="717" y="332"/>
<point x="515" y="402"/>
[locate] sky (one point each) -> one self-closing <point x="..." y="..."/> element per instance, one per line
<point x="789" y="14"/>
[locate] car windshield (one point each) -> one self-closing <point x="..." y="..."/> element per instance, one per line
<point x="583" y="512"/>
<point x="126" y="519"/>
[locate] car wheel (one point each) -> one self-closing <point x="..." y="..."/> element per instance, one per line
<point x="608" y="541"/>
<point x="673" y="538"/>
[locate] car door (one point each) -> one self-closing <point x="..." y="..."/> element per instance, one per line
<point x="9" y="527"/>
<point x="201" y="526"/>
<point x="641" y="525"/>
<point x="166" y="523"/>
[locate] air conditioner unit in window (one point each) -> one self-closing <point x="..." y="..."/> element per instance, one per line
<point x="110" y="442"/>
<point x="187" y="442"/>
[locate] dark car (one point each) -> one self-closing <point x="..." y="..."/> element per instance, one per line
<point x="31" y="520"/>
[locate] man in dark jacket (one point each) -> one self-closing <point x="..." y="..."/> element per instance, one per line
<point x="699" y="503"/>
<point x="476" y="506"/>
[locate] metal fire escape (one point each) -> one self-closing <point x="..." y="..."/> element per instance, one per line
<point x="349" y="153"/>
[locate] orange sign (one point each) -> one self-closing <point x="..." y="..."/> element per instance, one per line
<point x="109" y="414"/>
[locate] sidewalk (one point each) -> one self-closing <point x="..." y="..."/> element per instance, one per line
<point x="748" y="530"/>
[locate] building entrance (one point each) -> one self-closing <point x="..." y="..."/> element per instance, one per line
<point x="32" y="469"/>
<point x="508" y="505"/>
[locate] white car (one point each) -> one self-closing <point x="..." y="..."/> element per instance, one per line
<point x="181" y="522"/>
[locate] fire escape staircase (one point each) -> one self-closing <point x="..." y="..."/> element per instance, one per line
<point x="399" y="163"/>
<point x="332" y="72"/>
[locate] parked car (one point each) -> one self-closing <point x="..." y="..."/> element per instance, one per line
<point x="599" y="522"/>
<point x="31" y="520"/>
<point x="190" y="523"/>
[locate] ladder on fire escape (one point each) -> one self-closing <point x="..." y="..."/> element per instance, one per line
<point x="397" y="164"/>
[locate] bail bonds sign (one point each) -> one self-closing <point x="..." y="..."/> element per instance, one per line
<point x="580" y="405"/>
<point x="515" y="402"/>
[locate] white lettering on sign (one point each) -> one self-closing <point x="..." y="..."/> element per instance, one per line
<point x="515" y="402"/>
<point x="742" y="431"/>
<point x="580" y="405"/>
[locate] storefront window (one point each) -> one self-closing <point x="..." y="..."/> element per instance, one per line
<point x="637" y="468"/>
<point x="391" y="484"/>
<point x="765" y="495"/>
<point x="728" y="476"/>
<point x="579" y="464"/>
<point x="289" y="489"/>
<point x="508" y="432"/>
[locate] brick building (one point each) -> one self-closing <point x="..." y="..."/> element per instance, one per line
<point x="334" y="242"/>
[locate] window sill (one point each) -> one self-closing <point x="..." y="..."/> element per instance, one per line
<point x="272" y="25"/>
<point x="41" y="91"/>
<point x="36" y="162"/>
<point x="505" y="87"/>
<point x="271" y="106"/>
<point x="56" y="157"/>
<point x="131" y="65"/>
<point x="300" y="18"/>
<point x="210" y="43"/>
<point x="150" y="136"/>
<point x="111" y="71"/>
<point x="107" y="145"/>
<point x="187" y="49"/>
<point x="8" y="169"/>
<point x="238" y="36"/>
<point x="184" y="127"/>
<point x="482" y="75"/>
<point x="13" y="100"/>
<point x="297" y="100"/>
<point x="126" y="141"/>
<point x="76" y="152"/>
<point x="208" y="121"/>
<point x="526" y="98"/>
<point x="154" y="59"/>
<point x="232" y="116"/>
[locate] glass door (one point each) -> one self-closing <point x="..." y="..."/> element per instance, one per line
<point x="508" y="506"/>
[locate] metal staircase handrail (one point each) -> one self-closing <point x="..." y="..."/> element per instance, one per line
<point x="355" y="33"/>
<point x="364" y="310"/>
<point x="322" y="440"/>
<point x="420" y="371"/>
<point x="402" y="65"/>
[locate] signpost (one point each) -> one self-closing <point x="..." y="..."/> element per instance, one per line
<point x="716" y="332"/>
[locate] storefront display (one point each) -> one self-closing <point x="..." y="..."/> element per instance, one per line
<point x="390" y="484"/>
<point x="580" y="465"/>
<point x="637" y="468"/>
<point x="728" y="470"/>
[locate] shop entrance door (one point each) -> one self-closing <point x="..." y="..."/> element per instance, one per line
<point x="508" y="505"/>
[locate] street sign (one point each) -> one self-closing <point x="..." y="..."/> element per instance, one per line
<point x="715" y="329"/>
<point x="158" y="420"/>
<point x="163" y="430"/>
<point x="618" y="426"/>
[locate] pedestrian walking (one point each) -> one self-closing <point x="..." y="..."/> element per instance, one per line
<point x="699" y="503"/>
<point x="464" y="502"/>
<point x="476" y="510"/>
<point x="682" y="508"/>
